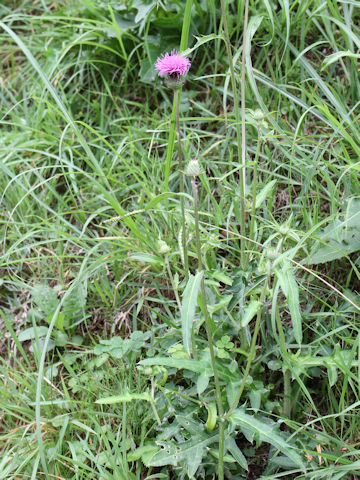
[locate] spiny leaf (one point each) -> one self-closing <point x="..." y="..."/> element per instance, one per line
<point x="265" y="192"/>
<point x="235" y="451"/>
<point x="188" y="308"/>
<point x="201" y="41"/>
<point x="190" y="452"/>
<point x="126" y="397"/>
<point x="187" y="363"/>
<point x="249" y="313"/>
<point x="45" y="298"/>
<point x="340" y="238"/>
<point x="266" y="433"/>
<point x="290" y="288"/>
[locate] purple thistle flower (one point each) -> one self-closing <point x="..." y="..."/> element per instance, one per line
<point x="172" y="64"/>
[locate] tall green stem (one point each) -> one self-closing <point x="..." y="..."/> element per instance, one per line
<point x="240" y="133"/>
<point x="287" y="393"/>
<point x="181" y="176"/>
<point x="243" y="85"/>
<point x="174" y="287"/>
<point x="254" y="186"/>
<point x="252" y="350"/>
<point x="208" y="332"/>
<point x="171" y="142"/>
<point x="286" y="370"/>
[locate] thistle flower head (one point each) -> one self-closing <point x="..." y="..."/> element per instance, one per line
<point x="173" y="64"/>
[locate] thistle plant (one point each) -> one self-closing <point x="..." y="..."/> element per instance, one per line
<point x="174" y="67"/>
<point x="194" y="170"/>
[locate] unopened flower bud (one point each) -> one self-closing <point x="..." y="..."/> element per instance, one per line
<point x="193" y="168"/>
<point x="258" y="115"/>
<point x="284" y="229"/>
<point x="163" y="247"/>
<point x="272" y="254"/>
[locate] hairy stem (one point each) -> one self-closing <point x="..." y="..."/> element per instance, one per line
<point x="181" y="174"/>
<point x="183" y="46"/>
<point x="287" y="393"/>
<point x="174" y="287"/>
<point x="208" y="331"/>
<point x="252" y="350"/>
<point x="254" y="186"/>
<point x="286" y="371"/>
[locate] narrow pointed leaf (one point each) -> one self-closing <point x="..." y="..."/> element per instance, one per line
<point x="264" y="193"/>
<point x="186" y="363"/>
<point x="235" y="451"/>
<point x="126" y="397"/>
<point x="189" y="303"/>
<point x="290" y="289"/>
<point x="266" y="433"/>
<point x="250" y="312"/>
<point x="340" y="237"/>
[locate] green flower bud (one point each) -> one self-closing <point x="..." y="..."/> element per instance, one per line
<point x="163" y="247"/>
<point x="272" y="254"/>
<point x="193" y="168"/>
<point x="258" y="115"/>
<point x="284" y="229"/>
